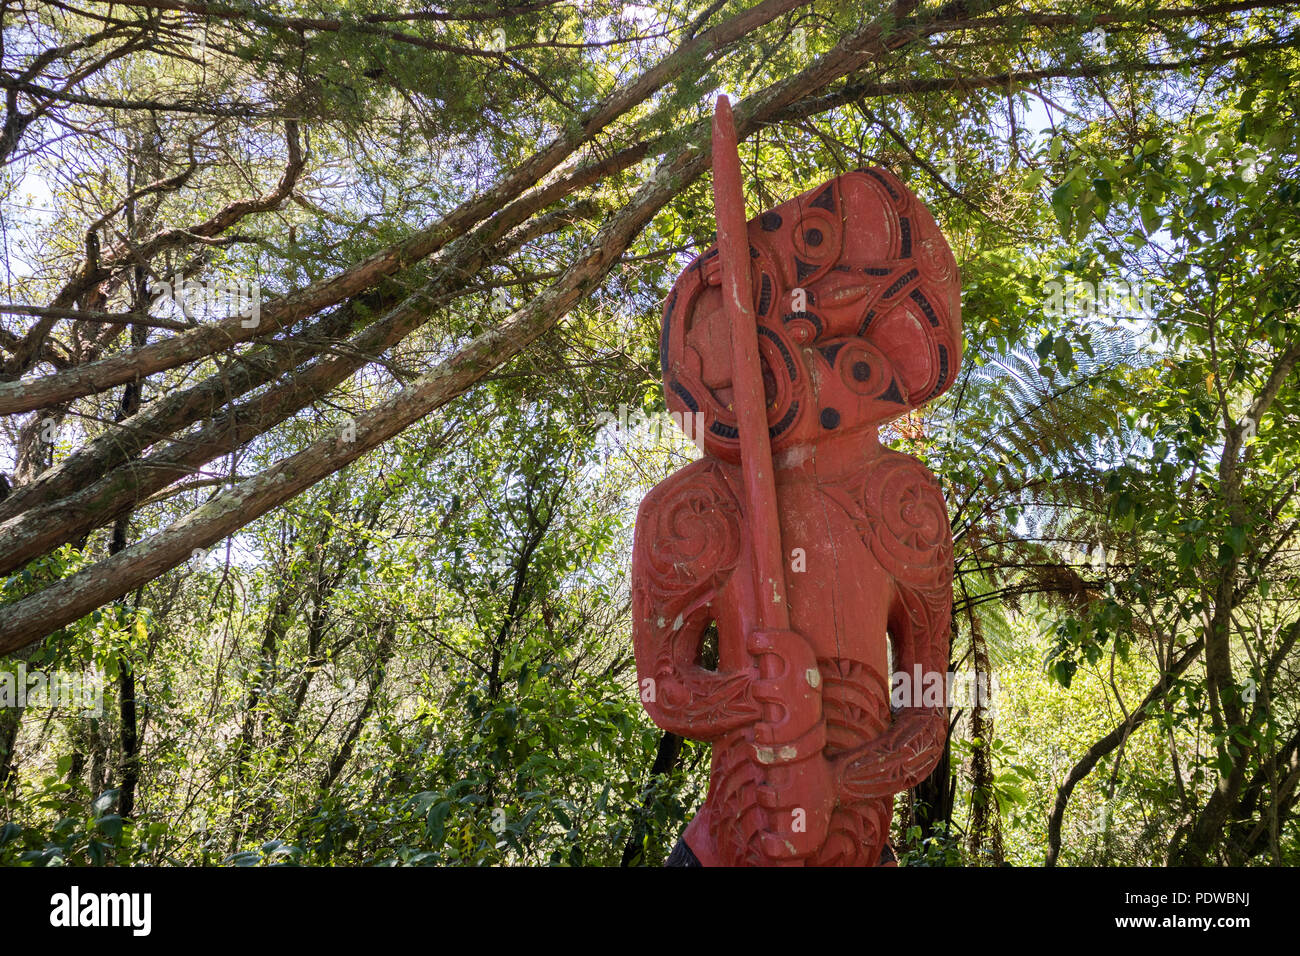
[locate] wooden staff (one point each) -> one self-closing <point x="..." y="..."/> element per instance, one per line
<point x="749" y="400"/>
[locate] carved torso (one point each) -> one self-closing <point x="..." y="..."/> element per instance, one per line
<point x="867" y="546"/>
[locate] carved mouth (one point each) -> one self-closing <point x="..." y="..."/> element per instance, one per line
<point x="725" y="395"/>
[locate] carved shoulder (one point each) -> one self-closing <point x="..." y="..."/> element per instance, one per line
<point x="687" y="539"/>
<point x="900" y="512"/>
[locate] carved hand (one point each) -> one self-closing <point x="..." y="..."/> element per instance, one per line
<point x="798" y="790"/>
<point x="700" y="704"/>
<point x="899" y="759"/>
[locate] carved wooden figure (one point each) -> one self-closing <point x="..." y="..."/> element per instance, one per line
<point x="813" y="553"/>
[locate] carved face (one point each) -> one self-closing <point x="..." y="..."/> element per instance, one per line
<point x="859" y="316"/>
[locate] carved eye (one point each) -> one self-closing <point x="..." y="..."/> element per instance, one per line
<point x="815" y="234"/>
<point x="860" y="370"/>
<point x="816" y="239"/>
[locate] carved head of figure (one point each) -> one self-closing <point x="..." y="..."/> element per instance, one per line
<point x="858" y="303"/>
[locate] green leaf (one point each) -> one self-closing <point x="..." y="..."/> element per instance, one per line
<point x="435" y="823"/>
<point x="1151" y="219"/>
<point x="1063" y="205"/>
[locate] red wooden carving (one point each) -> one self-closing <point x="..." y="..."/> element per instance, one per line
<point x="810" y="548"/>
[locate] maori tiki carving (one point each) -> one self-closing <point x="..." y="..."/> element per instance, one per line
<point x="821" y="560"/>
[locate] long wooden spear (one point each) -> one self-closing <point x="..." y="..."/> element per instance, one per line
<point x="749" y="399"/>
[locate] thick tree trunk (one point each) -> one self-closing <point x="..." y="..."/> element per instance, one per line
<point x="669" y="750"/>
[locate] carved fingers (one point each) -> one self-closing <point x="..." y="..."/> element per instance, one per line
<point x="898" y="760"/>
<point x="699" y="704"/>
<point x="790" y="691"/>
